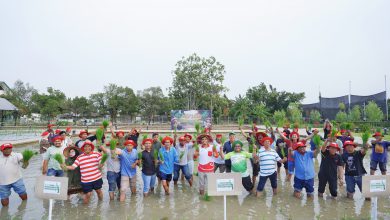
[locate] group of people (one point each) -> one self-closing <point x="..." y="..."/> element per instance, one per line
<point x="161" y="160"/>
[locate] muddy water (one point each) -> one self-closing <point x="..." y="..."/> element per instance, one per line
<point x="185" y="203"/>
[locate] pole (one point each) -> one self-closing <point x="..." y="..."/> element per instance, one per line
<point x="349" y="97"/>
<point x="50" y="208"/>
<point x="224" y="207"/>
<point x="374" y="208"/>
<point x="387" y="108"/>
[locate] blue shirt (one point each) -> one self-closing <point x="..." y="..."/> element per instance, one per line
<point x="304" y="165"/>
<point x="379" y="151"/>
<point x="170" y="157"/>
<point x="127" y="159"/>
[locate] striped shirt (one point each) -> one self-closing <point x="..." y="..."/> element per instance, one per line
<point x="268" y="159"/>
<point x="89" y="166"/>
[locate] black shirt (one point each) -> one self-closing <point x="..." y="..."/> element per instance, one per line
<point x="279" y="148"/>
<point x="354" y="163"/>
<point x="329" y="164"/>
<point x="148" y="167"/>
<point x="80" y="142"/>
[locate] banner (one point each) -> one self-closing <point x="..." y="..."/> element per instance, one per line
<point x="185" y="120"/>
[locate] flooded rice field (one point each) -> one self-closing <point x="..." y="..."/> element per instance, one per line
<point x="185" y="203"/>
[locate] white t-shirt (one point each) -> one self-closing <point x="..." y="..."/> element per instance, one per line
<point x="218" y="160"/>
<point x="268" y="161"/>
<point x="10" y="168"/>
<point x="182" y="150"/>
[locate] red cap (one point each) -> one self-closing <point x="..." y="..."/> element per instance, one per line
<point x="119" y="132"/>
<point x="200" y="137"/>
<point x="68" y="129"/>
<point x="128" y="142"/>
<point x="334" y="145"/>
<point x="146" y="140"/>
<point x="57" y="131"/>
<point x="294" y="133"/>
<point x="262" y="134"/>
<point x="346" y="143"/>
<point x="182" y="138"/>
<point x="377" y="134"/>
<point x="218" y="136"/>
<point x="167" y="138"/>
<point x="266" y="139"/>
<point x="5" y="146"/>
<point x="83" y="132"/>
<point x="56" y="138"/>
<point x="45" y="133"/>
<point x="298" y="145"/>
<point x="87" y="143"/>
<point x="343" y="131"/>
<point x="188" y="135"/>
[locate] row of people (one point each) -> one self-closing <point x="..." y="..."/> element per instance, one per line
<point x="164" y="161"/>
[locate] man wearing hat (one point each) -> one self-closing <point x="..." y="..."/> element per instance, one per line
<point x="379" y="154"/>
<point x="227" y="148"/>
<point x="10" y="175"/>
<point x="182" y="164"/>
<point x="219" y="163"/>
<point x="129" y="160"/>
<point x="354" y="169"/>
<point x="44" y="143"/>
<point x="167" y="157"/>
<point x="304" y="169"/>
<point x="148" y="167"/>
<point x="51" y="132"/>
<point x="331" y="168"/>
<point x="346" y="135"/>
<point x="206" y="155"/>
<point x="50" y="166"/>
<point x="91" y="176"/>
<point x="267" y="159"/>
<point x="156" y="145"/>
<point x="83" y="135"/>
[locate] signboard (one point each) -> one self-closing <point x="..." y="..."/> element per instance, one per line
<point x="50" y="187"/>
<point x="376" y="186"/>
<point x="185" y="120"/>
<point x="224" y="184"/>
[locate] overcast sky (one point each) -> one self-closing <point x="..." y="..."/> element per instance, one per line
<point x="298" y="46"/>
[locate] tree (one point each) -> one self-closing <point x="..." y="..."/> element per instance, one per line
<point x="115" y="100"/>
<point x="21" y="96"/>
<point x="315" y="116"/>
<point x="196" y="80"/>
<point x="49" y="105"/>
<point x="342" y="106"/>
<point x="241" y="108"/>
<point x="373" y="112"/>
<point x="261" y="112"/>
<point x="355" y="114"/>
<point x="271" y="98"/>
<point x="294" y="112"/>
<point x="152" y="102"/>
<point x="341" y="117"/>
<point x="80" y="106"/>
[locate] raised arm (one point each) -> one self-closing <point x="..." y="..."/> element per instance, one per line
<point x="281" y="135"/>
<point x="243" y="133"/>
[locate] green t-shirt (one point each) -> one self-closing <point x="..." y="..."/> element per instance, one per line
<point x="239" y="162"/>
<point x="49" y="155"/>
